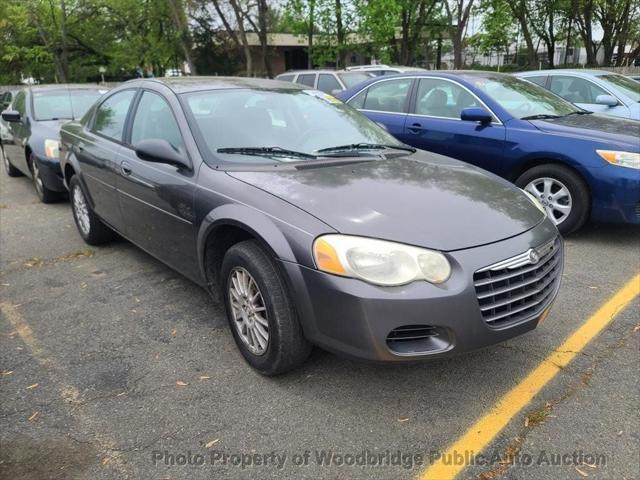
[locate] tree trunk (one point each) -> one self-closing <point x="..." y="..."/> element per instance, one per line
<point x="518" y="8"/>
<point x="263" y="11"/>
<point x="312" y="12"/>
<point x="242" y="35"/>
<point x="184" y="36"/>
<point x="64" y="52"/>
<point x="340" y="34"/>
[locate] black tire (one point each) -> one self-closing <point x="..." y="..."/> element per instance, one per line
<point x="10" y="169"/>
<point x="44" y="194"/>
<point x="580" y="196"/>
<point x="287" y="348"/>
<point x="96" y="232"/>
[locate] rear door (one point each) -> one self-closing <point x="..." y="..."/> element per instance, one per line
<point x="157" y="199"/>
<point x="97" y="152"/>
<point x="434" y="124"/>
<point x="386" y="102"/>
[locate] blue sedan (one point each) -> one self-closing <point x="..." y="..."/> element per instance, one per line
<point x="579" y="165"/>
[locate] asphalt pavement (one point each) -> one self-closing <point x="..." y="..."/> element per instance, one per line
<point x="114" y="366"/>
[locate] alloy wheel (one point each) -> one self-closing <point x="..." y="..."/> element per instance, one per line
<point x="81" y="210"/>
<point x="554" y="196"/>
<point x="35" y="170"/>
<point x="248" y="310"/>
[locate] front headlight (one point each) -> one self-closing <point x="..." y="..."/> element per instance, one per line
<point x="52" y="148"/>
<point x="622" y="159"/>
<point x="378" y="261"/>
<point x="536" y="202"/>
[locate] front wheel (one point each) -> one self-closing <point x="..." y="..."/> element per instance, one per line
<point x="90" y="227"/>
<point x="44" y="194"/>
<point x="260" y="313"/>
<point x="10" y="169"/>
<point x="562" y="192"/>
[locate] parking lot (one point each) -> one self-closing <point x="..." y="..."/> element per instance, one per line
<point x="114" y="366"/>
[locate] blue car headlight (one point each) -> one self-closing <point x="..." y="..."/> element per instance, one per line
<point x="621" y="159"/>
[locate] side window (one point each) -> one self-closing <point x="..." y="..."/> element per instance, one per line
<point x="358" y="100"/>
<point x="19" y="104"/>
<point x="308" y="79"/>
<point x="388" y="96"/>
<point x="575" y="89"/>
<point x="538" y="80"/>
<point x="441" y="98"/>
<point x="112" y="113"/>
<point x="154" y="120"/>
<point x="328" y="83"/>
<point x="285" y="78"/>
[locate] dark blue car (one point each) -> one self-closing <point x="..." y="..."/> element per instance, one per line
<point x="580" y="165"/>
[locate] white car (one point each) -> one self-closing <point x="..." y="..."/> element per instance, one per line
<point x="379" y="70"/>
<point x="328" y="81"/>
<point x="598" y="91"/>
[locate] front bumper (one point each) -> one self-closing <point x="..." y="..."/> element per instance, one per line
<point x="616" y="195"/>
<point x="353" y="318"/>
<point x="51" y="173"/>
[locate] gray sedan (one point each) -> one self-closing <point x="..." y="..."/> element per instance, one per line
<point x="310" y="222"/>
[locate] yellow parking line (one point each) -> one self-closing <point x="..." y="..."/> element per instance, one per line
<point x="478" y="436"/>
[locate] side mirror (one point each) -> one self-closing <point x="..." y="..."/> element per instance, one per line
<point x="476" y="114"/>
<point x="608" y="100"/>
<point x="11" y="116"/>
<point x="157" y="150"/>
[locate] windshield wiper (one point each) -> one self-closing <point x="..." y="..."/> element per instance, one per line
<point x="269" y="151"/>
<point x="366" y="146"/>
<point x="540" y="116"/>
<point x="579" y="112"/>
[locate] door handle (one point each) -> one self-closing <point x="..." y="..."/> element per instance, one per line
<point x="415" y="128"/>
<point x="125" y="168"/>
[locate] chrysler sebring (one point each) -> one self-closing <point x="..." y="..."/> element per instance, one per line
<point x="310" y="222"/>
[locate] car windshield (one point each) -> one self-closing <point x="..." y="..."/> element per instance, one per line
<point x="292" y="125"/>
<point x="351" y="79"/>
<point x="523" y="99"/>
<point x="64" y="104"/>
<point x="631" y="88"/>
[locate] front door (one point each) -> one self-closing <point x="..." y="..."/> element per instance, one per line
<point x="19" y="132"/>
<point x="434" y="124"/>
<point x="157" y="199"/>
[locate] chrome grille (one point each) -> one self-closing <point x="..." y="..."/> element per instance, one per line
<point x="517" y="288"/>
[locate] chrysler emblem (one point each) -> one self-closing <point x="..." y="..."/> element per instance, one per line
<point x="533" y="256"/>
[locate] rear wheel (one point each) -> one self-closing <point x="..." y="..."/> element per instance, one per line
<point x="562" y="192"/>
<point x="44" y="194"/>
<point x="260" y="313"/>
<point x="90" y="227"/>
<point x="10" y="169"/>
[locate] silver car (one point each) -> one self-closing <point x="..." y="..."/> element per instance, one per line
<point x="327" y="81"/>
<point x="597" y="91"/>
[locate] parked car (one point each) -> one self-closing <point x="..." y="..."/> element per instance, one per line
<point x="580" y="165"/>
<point x="34" y="120"/>
<point x="5" y="101"/>
<point x="597" y="91"/>
<point x="328" y="81"/>
<point x="311" y="223"/>
<point x="634" y="77"/>
<point x="5" y="98"/>
<point x="379" y="70"/>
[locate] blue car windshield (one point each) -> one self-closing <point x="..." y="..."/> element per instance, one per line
<point x="301" y="121"/>
<point x="64" y="103"/>
<point x="628" y="86"/>
<point x="522" y="98"/>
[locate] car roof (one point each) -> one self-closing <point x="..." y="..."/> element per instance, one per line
<point x="66" y="86"/>
<point x="193" y="84"/>
<point x="574" y="71"/>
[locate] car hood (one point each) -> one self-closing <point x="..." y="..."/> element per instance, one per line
<point x="423" y="199"/>
<point x="49" y="128"/>
<point x="597" y="127"/>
